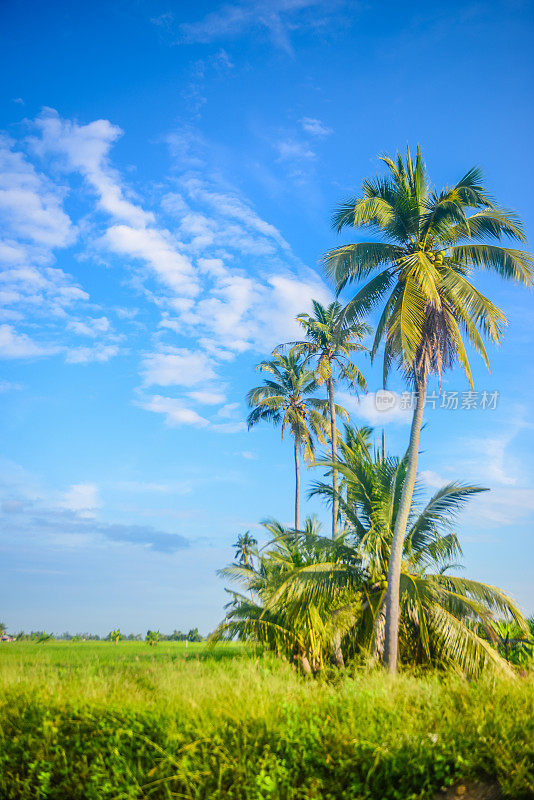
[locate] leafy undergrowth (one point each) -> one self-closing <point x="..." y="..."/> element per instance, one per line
<point x="105" y="723"/>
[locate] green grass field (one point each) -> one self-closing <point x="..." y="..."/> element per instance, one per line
<point x="95" y="720"/>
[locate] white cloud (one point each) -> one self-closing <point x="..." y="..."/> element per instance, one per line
<point x="503" y="506"/>
<point x="489" y="463"/>
<point x="208" y="397"/>
<point x="87" y="355"/>
<point x="30" y="205"/>
<point x="175" y="411"/>
<point x="126" y="313"/>
<point x="177" y="367"/>
<point x="293" y="150"/>
<point x="19" y="345"/>
<point x="315" y="127"/>
<point x="34" y="224"/>
<point x="82" y="498"/>
<point x="233" y="207"/>
<point x="230" y="427"/>
<point x="90" y="326"/>
<point x="9" y="386"/>
<point x="229" y="410"/>
<point x="277" y="17"/>
<point x="432" y="479"/>
<point x="225" y="277"/>
<point x="242" y="313"/>
<point x="158" y="249"/>
<point x="85" y="149"/>
<point x="496" y="463"/>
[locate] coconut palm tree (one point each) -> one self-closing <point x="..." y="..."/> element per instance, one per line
<point x="114" y="635"/>
<point x="443" y="618"/>
<point x="285" y="398"/>
<point x="302" y="631"/>
<point x="432" y="241"/>
<point x="310" y="596"/>
<point x="331" y="339"/>
<point x="245" y="548"/>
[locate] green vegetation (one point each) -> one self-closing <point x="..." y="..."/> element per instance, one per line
<point x="101" y="722"/>
<point x="318" y="599"/>
<point x="431" y="244"/>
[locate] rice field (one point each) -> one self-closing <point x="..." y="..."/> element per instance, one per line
<point x="96" y="720"/>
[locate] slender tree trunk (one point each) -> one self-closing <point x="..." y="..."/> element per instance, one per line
<point x="305" y="664"/>
<point x="297" y="485"/>
<point x="333" y="439"/>
<point x="391" y="644"/>
<point x="338" y="659"/>
<point x="379" y="632"/>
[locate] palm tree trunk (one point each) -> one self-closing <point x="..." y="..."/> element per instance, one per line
<point x="391" y="644"/>
<point x="333" y="439"/>
<point x="379" y="632"/>
<point x="338" y="659"/>
<point x="297" y="485"/>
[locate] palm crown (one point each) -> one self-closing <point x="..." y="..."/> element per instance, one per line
<point x="432" y="244"/>
<point x="331" y="339"/>
<point x="245" y="547"/>
<point x="286" y="399"/>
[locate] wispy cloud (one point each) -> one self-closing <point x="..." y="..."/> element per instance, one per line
<point x="208" y="397"/>
<point x="82" y="498"/>
<point x="19" y="345"/>
<point x="177" y="367"/>
<point x="293" y="150"/>
<point x="87" y="355"/>
<point x="223" y="278"/>
<point x="315" y="127"/>
<point x="278" y="18"/>
<point x="85" y="149"/>
<point x="31" y="514"/>
<point x="30" y="204"/>
<point x="175" y="411"/>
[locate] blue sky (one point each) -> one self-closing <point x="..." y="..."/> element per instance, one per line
<point x="168" y="173"/>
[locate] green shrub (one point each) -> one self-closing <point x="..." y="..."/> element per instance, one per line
<point x="100" y="722"/>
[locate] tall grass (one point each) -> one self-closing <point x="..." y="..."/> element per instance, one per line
<point x="94" y="720"/>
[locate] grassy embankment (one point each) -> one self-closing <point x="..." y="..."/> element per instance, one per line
<point x="98" y="721"/>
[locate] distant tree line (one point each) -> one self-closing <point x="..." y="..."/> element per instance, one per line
<point x="115" y="635"/>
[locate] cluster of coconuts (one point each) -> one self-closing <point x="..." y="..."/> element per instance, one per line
<point x="436" y="258"/>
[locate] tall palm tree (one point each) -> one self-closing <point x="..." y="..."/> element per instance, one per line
<point x="286" y="399"/>
<point x="245" y="547"/>
<point x="432" y="243"/>
<point x="330" y="341"/>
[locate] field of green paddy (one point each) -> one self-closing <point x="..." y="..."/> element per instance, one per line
<point x="110" y="722"/>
